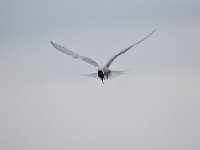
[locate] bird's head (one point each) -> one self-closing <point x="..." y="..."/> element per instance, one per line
<point x="101" y="75"/>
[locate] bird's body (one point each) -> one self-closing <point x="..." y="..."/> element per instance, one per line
<point x="102" y="72"/>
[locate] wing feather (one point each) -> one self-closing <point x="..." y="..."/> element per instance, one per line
<point x="74" y="55"/>
<point x="92" y="75"/>
<point x="113" y="74"/>
<point x="125" y="50"/>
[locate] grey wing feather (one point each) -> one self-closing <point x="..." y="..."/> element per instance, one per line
<point x="113" y="74"/>
<point x="123" y="51"/>
<point x="92" y="75"/>
<point x="74" y="55"/>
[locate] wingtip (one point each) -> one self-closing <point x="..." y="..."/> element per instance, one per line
<point x="53" y="44"/>
<point x="154" y="30"/>
<point x="151" y="32"/>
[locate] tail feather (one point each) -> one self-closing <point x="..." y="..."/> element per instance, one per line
<point x="114" y="74"/>
<point x="111" y="74"/>
<point x="91" y="75"/>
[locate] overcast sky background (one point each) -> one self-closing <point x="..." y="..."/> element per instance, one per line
<point x="46" y="105"/>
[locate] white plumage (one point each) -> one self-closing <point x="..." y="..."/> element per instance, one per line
<point x="103" y="72"/>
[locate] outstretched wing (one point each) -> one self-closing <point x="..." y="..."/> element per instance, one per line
<point x="123" y="51"/>
<point x="74" y="55"/>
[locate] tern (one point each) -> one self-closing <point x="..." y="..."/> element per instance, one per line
<point x="103" y="72"/>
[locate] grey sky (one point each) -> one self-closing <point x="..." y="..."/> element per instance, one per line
<point x="46" y="104"/>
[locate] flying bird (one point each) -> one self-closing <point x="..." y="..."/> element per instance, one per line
<point x="103" y="72"/>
